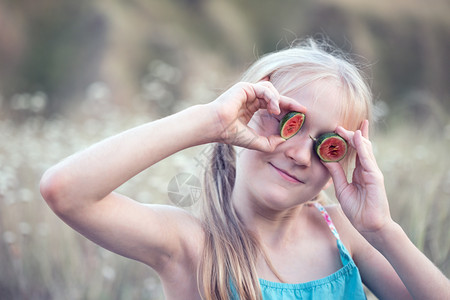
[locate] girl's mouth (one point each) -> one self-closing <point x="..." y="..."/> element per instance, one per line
<point x="285" y="175"/>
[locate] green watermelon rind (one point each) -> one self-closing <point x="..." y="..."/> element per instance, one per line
<point x="324" y="137"/>
<point x="286" y="119"/>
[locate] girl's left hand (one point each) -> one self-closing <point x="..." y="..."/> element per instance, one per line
<point x="364" y="200"/>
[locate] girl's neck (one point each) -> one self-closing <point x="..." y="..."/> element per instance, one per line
<point x="270" y="226"/>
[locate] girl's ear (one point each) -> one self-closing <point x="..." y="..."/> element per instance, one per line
<point x="328" y="184"/>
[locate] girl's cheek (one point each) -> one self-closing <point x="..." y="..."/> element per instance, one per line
<point x="324" y="173"/>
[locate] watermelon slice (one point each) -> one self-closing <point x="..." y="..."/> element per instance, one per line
<point x="291" y="124"/>
<point x="330" y="147"/>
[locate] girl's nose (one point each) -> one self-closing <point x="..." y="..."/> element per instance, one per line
<point x="299" y="148"/>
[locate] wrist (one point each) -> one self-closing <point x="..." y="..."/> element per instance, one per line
<point x="213" y="126"/>
<point x="391" y="230"/>
<point x="206" y="127"/>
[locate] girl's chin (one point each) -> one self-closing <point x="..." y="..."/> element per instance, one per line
<point x="281" y="199"/>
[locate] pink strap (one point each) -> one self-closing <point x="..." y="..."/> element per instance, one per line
<point x="327" y="218"/>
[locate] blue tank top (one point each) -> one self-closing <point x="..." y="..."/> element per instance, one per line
<point x="343" y="284"/>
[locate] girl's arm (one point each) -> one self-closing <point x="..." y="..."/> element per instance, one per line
<point x="364" y="202"/>
<point x="80" y="189"/>
<point x="420" y="276"/>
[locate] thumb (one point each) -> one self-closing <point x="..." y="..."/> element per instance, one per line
<point x="265" y="144"/>
<point x="338" y="175"/>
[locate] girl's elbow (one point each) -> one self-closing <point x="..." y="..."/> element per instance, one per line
<point x="54" y="189"/>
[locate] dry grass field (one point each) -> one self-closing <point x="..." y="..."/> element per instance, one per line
<point x="75" y="72"/>
<point x="42" y="258"/>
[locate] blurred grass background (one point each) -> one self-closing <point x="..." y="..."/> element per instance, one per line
<point x="74" y="72"/>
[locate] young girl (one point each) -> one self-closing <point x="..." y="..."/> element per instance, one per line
<point x="261" y="232"/>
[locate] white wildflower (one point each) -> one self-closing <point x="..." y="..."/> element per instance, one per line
<point x="9" y="237"/>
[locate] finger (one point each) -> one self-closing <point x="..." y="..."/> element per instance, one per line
<point x="357" y="162"/>
<point x="247" y="137"/>
<point x="280" y="103"/>
<point x="365" y="128"/>
<point x="284" y="103"/>
<point x="338" y="175"/>
<point x="366" y="158"/>
<point x="288" y="104"/>
<point x="272" y="142"/>
<point x="267" y="96"/>
<point x="357" y="171"/>
<point x="265" y="144"/>
<point x="347" y="135"/>
<point x="269" y="85"/>
<point x="274" y="105"/>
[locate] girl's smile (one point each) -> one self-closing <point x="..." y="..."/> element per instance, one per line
<point x="286" y="175"/>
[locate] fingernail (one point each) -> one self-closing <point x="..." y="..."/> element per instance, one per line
<point x="276" y="109"/>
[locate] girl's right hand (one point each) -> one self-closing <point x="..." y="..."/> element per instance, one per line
<point x="235" y="108"/>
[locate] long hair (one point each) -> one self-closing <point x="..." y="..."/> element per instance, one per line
<point x="228" y="265"/>
<point x="229" y="250"/>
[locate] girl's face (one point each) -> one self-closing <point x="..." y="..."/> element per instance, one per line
<point x="293" y="173"/>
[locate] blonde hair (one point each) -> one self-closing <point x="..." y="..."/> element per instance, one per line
<point x="231" y="250"/>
